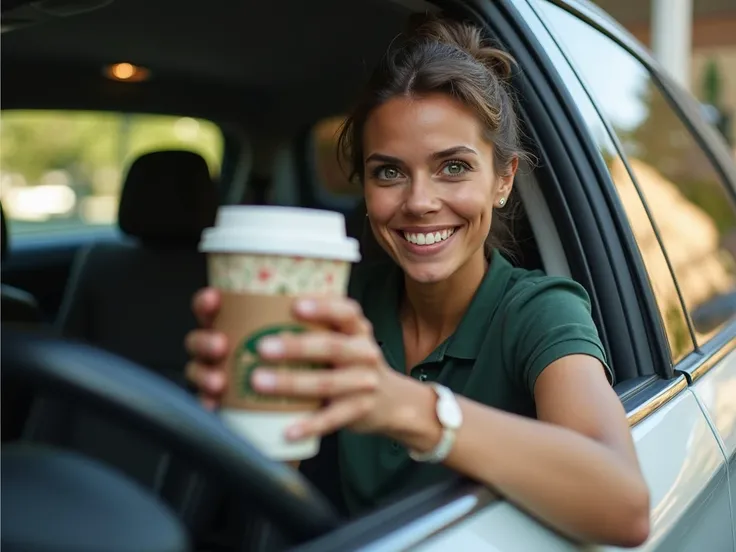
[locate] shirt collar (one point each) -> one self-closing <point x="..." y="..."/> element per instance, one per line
<point x="382" y="309"/>
<point x="468" y="338"/>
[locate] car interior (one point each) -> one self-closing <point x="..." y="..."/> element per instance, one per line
<point x="265" y="73"/>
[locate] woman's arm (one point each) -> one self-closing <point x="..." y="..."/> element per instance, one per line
<point x="575" y="467"/>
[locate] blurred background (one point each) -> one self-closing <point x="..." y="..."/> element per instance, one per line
<point x="63" y="170"/>
<point x="695" y="40"/>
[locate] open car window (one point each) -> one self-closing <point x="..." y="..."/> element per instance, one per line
<point x="63" y="170"/>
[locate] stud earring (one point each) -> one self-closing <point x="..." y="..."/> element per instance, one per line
<point x="502" y="202"/>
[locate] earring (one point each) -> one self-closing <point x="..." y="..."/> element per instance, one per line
<point x="502" y="202"/>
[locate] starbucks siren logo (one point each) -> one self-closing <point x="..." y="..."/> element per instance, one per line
<point x="247" y="360"/>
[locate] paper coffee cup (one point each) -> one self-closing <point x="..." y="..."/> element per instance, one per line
<point x="261" y="258"/>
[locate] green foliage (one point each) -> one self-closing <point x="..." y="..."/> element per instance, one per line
<point x="712" y="84"/>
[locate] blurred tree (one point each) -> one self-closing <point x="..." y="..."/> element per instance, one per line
<point x="712" y="84"/>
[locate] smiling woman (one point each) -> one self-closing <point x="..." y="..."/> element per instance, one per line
<point x="429" y="170"/>
<point x="448" y="357"/>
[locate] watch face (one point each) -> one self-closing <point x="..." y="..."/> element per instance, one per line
<point x="448" y="410"/>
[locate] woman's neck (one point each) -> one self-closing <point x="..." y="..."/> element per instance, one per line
<point x="436" y="309"/>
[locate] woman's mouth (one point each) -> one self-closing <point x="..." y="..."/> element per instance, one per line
<point x="429" y="241"/>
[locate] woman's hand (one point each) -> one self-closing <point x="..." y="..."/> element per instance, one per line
<point x="362" y="392"/>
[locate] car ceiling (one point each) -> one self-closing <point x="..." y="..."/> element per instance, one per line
<point x="267" y="63"/>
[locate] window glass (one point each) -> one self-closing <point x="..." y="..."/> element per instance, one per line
<point x="63" y="170"/>
<point x="333" y="182"/>
<point x="689" y="203"/>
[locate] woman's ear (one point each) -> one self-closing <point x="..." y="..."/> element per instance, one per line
<point x="506" y="184"/>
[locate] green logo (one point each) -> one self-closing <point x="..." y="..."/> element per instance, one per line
<point x="247" y="360"/>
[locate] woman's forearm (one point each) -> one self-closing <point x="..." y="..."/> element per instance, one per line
<point x="574" y="483"/>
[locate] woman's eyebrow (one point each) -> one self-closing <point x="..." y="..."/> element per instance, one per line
<point x="449" y="152"/>
<point x="382" y="158"/>
<point x="454" y="151"/>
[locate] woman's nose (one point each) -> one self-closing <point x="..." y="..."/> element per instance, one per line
<point x="421" y="198"/>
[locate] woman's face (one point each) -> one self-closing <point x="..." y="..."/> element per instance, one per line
<point x="430" y="184"/>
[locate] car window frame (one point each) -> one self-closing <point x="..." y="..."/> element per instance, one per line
<point x="697" y="362"/>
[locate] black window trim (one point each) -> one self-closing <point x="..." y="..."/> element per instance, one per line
<point x="686" y="110"/>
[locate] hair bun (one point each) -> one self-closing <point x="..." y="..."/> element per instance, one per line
<point x="465" y="37"/>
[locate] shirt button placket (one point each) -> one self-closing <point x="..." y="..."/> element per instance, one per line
<point x="422" y="375"/>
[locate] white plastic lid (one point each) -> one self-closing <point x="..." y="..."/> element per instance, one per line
<point x="268" y="230"/>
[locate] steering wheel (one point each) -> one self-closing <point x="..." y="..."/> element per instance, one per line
<point x="145" y="401"/>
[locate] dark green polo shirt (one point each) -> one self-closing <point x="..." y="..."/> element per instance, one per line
<point x="517" y="324"/>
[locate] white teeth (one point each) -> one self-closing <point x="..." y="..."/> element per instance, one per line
<point x="429" y="239"/>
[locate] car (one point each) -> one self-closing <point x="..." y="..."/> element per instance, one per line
<point x="196" y="105"/>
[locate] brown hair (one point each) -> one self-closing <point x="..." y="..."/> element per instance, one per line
<point x="453" y="58"/>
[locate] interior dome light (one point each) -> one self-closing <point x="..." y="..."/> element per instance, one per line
<point x="126" y="72"/>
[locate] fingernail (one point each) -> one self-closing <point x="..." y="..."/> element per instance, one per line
<point x="215" y="344"/>
<point x="215" y="380"/>
<point x="306" y="306"/>
<point x="294" y="432"/>
<point x="270" y="346"/>
<point x="263" y="379"/>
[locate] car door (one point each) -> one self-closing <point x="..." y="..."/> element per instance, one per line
<point x="675" y="182"/>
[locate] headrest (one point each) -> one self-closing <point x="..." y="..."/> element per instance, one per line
<point x="3" y="233"/>
<point x="168" y="196"/>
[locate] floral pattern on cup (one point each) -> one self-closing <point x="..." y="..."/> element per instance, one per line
<point x="277" y="275"/>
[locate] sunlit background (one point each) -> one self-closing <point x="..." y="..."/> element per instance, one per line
<point x="61" y="170"/>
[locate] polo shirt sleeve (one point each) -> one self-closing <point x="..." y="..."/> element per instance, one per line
<point x="549" y="318"/>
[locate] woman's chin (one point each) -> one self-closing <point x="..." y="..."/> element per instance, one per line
<point x="426" y="273"/>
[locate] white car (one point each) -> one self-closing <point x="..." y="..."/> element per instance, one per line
<point x="634" y="197"/>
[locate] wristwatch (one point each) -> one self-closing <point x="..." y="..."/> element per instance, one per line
<point x="450" y="417"/>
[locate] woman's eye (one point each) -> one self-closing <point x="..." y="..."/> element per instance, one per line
<point x="454" y="168"/>
<point x="388" y="173"/>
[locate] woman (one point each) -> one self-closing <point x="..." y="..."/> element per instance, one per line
<point x="531" y="412"/>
